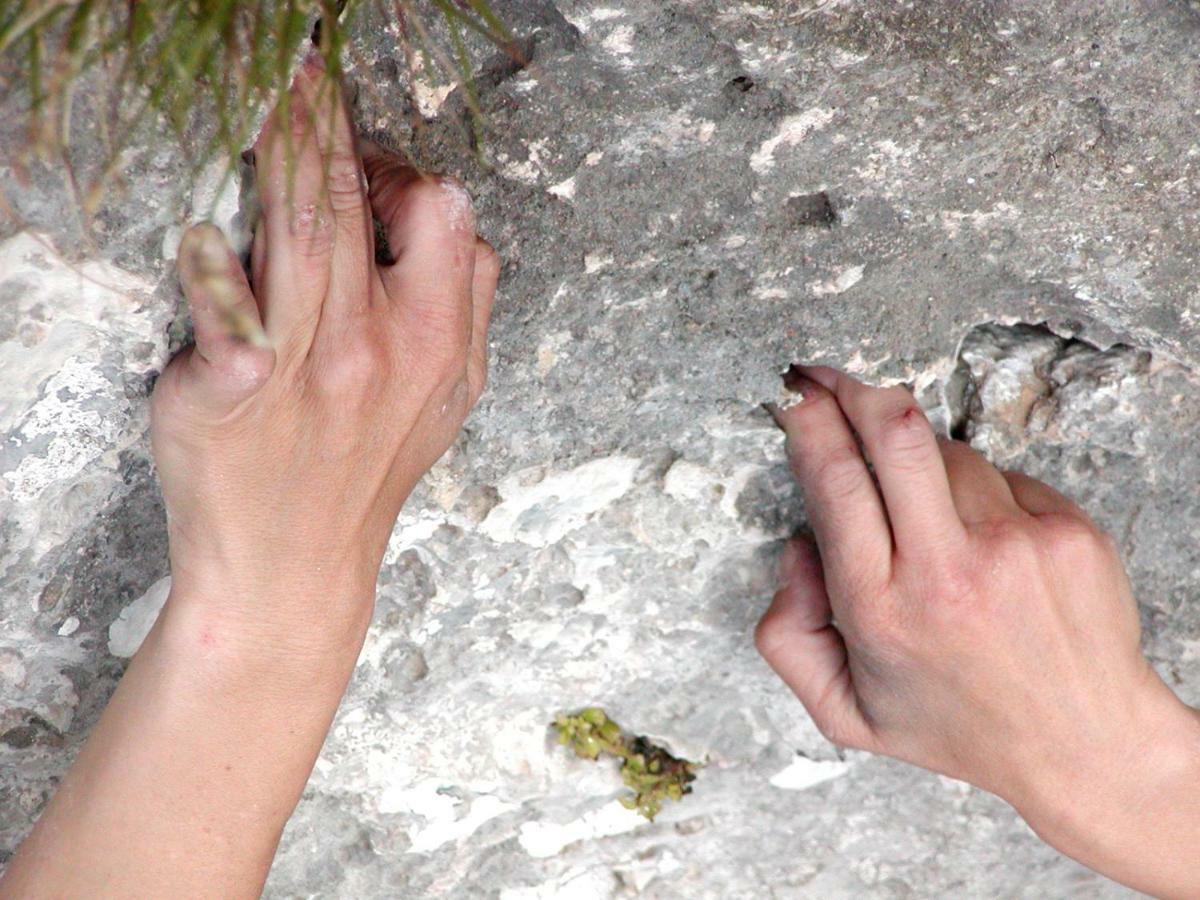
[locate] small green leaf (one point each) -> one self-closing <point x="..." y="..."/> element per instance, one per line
<point x="649" y="770"/>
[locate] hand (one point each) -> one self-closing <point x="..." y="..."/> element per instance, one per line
<point x="978" y="624"/>
<point x="318" y="393"/>
<point x="314" y="399"/>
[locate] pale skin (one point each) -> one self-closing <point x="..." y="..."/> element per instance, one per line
<point x="972" y="622"/>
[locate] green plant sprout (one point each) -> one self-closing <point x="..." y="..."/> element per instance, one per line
<point x="198" y="72"/>
<point x="654" y="774"/>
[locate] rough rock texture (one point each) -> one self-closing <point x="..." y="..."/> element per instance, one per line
<point x="689" y="196"/>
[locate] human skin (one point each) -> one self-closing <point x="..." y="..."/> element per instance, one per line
<point x="284" y="460"/>
<point x="971" y="622"/>
<point x="978" y="624"/>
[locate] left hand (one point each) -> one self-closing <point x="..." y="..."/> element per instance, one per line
<point x="322" y="389"/>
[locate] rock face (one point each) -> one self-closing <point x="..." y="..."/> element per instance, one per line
<point x="994" y="202"/>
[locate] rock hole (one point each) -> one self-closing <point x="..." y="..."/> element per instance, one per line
<point x="1014" y="381"/>
<point x="811" y="210"/>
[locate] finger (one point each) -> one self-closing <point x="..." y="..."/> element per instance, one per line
<point x="388" y="175"/>
<point x="232" y="350"/>
<point x="345" y="186"/>
<point x="297" y="214"/>
<point x="483" y="295"/>
<point x="258" y="258"/>
<point x="843" y="505"/>
<point x="1039" y="499"/>
<point x="430" y="226"/>
<point x="903" y="449"/>
<point x="980" y="492"/>
<point x="219" y="298"/>
<point x="798" y="640"/>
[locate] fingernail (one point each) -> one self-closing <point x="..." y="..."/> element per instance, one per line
<point x="314" y="62"/>
<point x="795" y="381"/>
<point x="207" y="251"/>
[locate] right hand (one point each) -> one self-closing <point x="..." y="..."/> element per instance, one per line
<point x="975" y="623"/>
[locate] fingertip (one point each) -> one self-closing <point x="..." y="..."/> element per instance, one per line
<point x="314" y="63"/>
<point x="799" y="391"/>
<point x="203" y="253"/>
<point x="214" y="284"/>
<point x="825" y="376"/>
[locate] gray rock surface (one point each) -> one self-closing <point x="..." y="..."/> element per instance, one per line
<point x="689" y="196"/>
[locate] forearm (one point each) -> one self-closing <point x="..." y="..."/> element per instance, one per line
<point x="1136" y="819"/>
<point x="186" y="782"/>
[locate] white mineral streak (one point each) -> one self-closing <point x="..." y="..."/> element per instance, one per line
<point x="596" y="883"/>
<point x="74" y="432"/>
<point x="428" y="94"/>
<point x="126" y="634"/>
<point x="548" y="350"/>
<point x="842" y="281"/>
<point x="542" y="513"/>
<point x="63" y="369"/>
<point x="544" y="839"/>
<point x="619" y="41"/>
<point x="564" y="189"/>
<point x="443" y="817"/>
<point x="585" y="19"/>
<point x="216" y="198"/>
<point x="793" y="130"/>
<point x="691" y="482"/>
<point x="803" y="773"/>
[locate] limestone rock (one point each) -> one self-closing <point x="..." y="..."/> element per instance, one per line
<point x="688" y="198"/>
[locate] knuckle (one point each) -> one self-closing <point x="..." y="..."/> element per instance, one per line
<point x="863" y="577"/>
<point x="311" y="231"/>
<point x="246" y="366"/>
<point x="771" y="637"/>
<point x="1009" y="542"/>
<point x="905" y="431"/>
<point x="344" y="182"/>
<point x="357" y="373"/>
<point x="835" y="728"/>
<point x="839" y="471"/>
<point x="1073" y="537"/>
<point x="447" y="201"/>
<point x="954" y="586"/>
<point x="441" y="331"/>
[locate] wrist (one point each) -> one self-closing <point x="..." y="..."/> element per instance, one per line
<point x="290" y="629"/>
<point x="1136" y="798"/>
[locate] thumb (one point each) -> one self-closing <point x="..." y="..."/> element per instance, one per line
<point x="798" y="639"/>
<point x="232" y="357"/>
